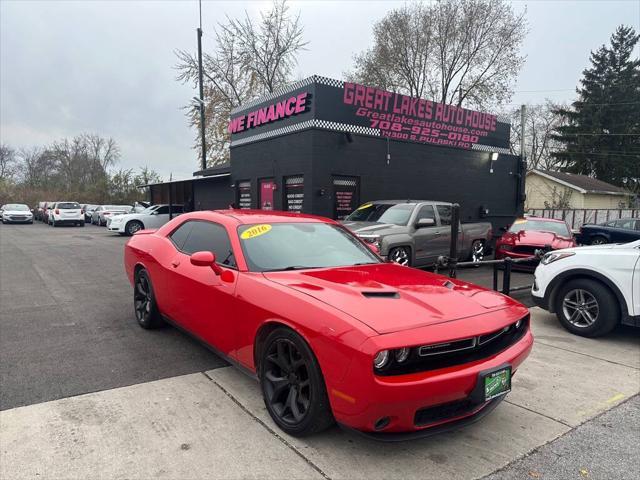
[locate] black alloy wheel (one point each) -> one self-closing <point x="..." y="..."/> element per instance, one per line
<point x="587" y="307"/>
<point x="144" y="302"/>
<point x="292" y="384"/>
<point x="599" y="240"/>
<point x="477" y="251"/>
<point x="401" y="256"/>
<point x="133" y="226"/>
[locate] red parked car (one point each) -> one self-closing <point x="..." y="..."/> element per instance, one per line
<point x="530" y="234"/>
<point x="331" y="331"/>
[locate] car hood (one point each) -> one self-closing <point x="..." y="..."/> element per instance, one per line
<point x="375" y="228"/>
<point x="16" y="212"/>
<point x="389" y="298"/>
<point x="536" y="238"/>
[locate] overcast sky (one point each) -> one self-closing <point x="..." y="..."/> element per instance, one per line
<point x="68" y="67"/>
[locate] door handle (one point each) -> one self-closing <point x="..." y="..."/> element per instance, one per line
<point x="436" y="233"/>
<point x="175" y="263"/>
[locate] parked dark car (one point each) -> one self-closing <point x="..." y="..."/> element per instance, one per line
<point x="623" y="230"/>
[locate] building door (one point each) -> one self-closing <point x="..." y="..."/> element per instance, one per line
<point x="267" y="186"/>
<point x="346" y="195"/>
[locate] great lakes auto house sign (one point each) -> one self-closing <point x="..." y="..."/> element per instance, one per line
<point x="319" y="102"/>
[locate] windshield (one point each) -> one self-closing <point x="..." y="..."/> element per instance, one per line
<point x="150" y="209"/>
<point x="291" y="246"/>
<point x="117" y="207"/>
<point x="16" y="207"/>
<point x="528" y="225"/>
<point x="383" y="213"/>
<point x="68" y="205"/>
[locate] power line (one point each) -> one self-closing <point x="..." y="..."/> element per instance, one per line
<point x="569" y="152"/>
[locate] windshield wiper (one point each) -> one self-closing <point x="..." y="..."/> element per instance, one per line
<point x="290" y="267"/>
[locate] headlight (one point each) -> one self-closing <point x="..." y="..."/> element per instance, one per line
<point x="402" y="354"/>
<point x="553" y="256"/>
<point x="372" y="239"/>
<point x="381" y="359"/>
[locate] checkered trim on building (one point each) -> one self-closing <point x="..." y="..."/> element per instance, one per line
<point x="314" y="123"/>
<point x="344" y="182"/>
<point x="503" y="119"/>
<point x="274" y="133"/>
<point x="287" y="89"/>
<point x="345" y="127"/>
<point x="489" y="148"/>
<point x="294" y="181"/>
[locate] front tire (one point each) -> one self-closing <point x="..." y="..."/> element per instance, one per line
<point x="587" y="308"/>
<point x="144" y="302"/>
<point x="292" y="385"/>
<point x="477" y="251"/>
<point x="599" y="240"/>
<point x="400" y="255"/>
<point x="133" y="226"/>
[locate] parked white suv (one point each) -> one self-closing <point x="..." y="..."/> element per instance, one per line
<point x="591" y="289"/>
<point x="152" y="217"/>
<point x="66" y="213"/>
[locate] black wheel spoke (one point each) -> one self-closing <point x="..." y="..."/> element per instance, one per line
<point x="286" y="382"/>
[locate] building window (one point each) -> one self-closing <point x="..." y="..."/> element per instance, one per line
<point x="346" y="193"/>
<point x="244" y="195"/>
<point x="294" y="193"/>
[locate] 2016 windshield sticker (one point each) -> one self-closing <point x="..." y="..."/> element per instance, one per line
<point x="517" y="222"/>
<point x="255" y="231"/>
<point x="366" y="205"/>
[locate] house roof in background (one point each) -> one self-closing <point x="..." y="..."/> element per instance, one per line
<point x="582" y="183"/>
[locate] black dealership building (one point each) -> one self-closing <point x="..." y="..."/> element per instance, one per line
<point x="325" y="146"/>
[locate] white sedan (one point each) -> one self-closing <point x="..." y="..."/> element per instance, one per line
<point x="591" y="289"/>
<point x="152" y="217"/>
<point x="16" y="213"/>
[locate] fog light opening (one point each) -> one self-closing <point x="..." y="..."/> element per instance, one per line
<point x="381" y="423"/>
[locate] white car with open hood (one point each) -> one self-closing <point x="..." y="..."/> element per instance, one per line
<point x="152" y="217"/>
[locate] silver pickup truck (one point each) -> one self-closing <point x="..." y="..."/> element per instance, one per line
<point x="416" y="232"/>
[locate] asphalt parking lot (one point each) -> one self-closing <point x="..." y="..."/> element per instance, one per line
<point x="85" y="390"/>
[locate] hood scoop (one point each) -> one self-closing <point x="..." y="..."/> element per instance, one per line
<point x="381" y="294"/>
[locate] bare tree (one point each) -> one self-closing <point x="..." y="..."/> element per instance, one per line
<point x="250" y="58"/>
<point x="462" y="52"/>
<point x="8" y="163"/>
<point x="541" y="121"/>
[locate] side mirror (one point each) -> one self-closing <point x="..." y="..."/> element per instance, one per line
<point x="425" y="222"/>
<point x="206" y="259"/>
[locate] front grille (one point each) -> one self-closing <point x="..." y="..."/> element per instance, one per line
<point x="445" y="411"/>
<point x="458" y="352"/>
<point x="526" y="249"/>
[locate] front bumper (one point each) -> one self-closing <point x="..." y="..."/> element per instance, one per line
<point x="362" y="399"/>
<point x="17" y="219"/>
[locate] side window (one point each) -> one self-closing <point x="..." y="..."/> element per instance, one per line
<point x="637" y="224"/>
<point x="180" y="235"/>
<point x="210" y="237"/>
<point x="626" y="223"/>
<point x="164" y="210"/>
<point x="444" y="211"/>
<point x="426" y="211"/>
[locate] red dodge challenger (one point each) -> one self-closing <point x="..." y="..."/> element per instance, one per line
<point x="331" y="331"/>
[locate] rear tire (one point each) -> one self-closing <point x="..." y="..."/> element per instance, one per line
<point x="477" y="251"/>
<point x="292" y="384"/>
<point x="587" y="308"/>
<point x="144" y="302"/>
<point x="400" y="255"/>
<point x="599" y="240"/>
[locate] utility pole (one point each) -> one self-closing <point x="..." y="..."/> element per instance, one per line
<point x="523" y="115"/>
<point x="201" y="102"/>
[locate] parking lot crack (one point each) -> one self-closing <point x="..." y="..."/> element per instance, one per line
<point x="539" y="413"/>
<point x="587" y="355"/>
<point x="268" y="428"/>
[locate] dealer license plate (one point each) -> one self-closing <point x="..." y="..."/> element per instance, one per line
<point x="497" y="383"/>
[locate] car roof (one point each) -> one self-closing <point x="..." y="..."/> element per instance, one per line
<point x="267" y="216"/>
<point x="397" y="202"/>
<point x="557" y="220"/>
